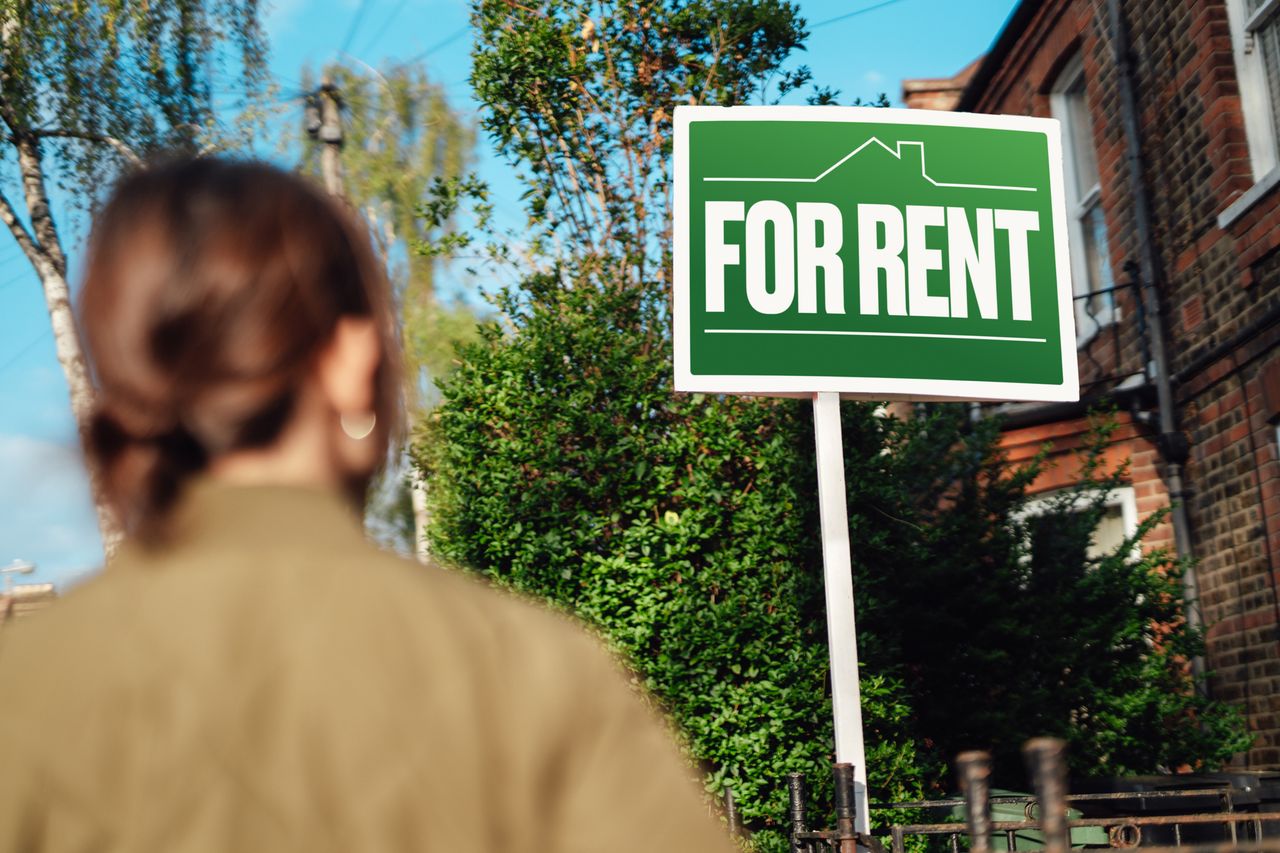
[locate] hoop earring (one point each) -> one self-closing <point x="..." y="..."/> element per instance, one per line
<point x="358" y="426"/>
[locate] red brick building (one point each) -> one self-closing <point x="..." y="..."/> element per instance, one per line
<point x="938" y="93"/>
<point x="1170" y="112"/>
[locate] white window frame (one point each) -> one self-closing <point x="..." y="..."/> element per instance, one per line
<point x="1122" y="496"/>
<point x="1087" y="325"/>
<point x="1251" y="72"/>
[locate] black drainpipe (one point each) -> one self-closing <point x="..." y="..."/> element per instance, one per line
<point x="1171" y="442"/>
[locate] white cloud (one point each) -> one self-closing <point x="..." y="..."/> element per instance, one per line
<point x="46" y="513"/>
<point x="873" y="77"/>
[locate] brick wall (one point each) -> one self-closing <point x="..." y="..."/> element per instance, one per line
<point x="1130" y="445"/>
<point x="1219" y="287"/>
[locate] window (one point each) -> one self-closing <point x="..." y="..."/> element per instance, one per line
<point x="1118" y="523"/>
<point x="1086" y="222"/>
<point x="1255" y="36"/>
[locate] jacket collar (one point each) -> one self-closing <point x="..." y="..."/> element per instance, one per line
<point x="213" y="514"/>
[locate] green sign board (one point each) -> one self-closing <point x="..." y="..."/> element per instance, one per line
<point x="873" y="252"/>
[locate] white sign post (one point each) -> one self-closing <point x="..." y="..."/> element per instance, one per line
<point x="873" y="254"/>
<point x="837" y="571"/>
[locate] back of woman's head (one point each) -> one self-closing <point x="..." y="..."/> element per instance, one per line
<point x="211" y="288"/>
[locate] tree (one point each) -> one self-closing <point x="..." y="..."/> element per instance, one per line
<point x="578" y="93"/>
<point x="683" y="528"/>
<point x="87" y="88"/>
<point x="561" y="463"/>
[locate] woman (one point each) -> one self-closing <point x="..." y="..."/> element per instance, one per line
<point x="249" y="674"/>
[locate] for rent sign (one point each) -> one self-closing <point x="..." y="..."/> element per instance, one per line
<point x="877" y="253"/>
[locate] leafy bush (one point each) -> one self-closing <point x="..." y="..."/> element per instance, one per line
<point x="1003" y="625"/>
<point x="681" y="526"/>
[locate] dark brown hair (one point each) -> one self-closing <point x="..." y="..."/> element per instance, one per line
<point x="210" y="288"/>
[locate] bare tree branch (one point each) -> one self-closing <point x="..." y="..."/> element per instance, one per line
<point x="25" y="241"/>
<point x="101" y="138"/>
<point x="37" y="200"/>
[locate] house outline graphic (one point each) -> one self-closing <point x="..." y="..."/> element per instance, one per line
<point x="896" y="153"/>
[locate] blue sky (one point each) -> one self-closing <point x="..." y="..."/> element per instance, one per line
<point x="861" y="47"/>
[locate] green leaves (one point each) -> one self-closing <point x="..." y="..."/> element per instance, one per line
<point x="682" y="526"/>
<point x="405" y="157"/>
<point x="1009" y="625"/>
<point x="140" y="74"/>
<point x="580" y="95"/>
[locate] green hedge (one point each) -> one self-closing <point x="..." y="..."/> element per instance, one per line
<point x="563" y="465"/>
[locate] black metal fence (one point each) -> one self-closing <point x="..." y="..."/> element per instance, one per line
<point x="1046" y="821"/>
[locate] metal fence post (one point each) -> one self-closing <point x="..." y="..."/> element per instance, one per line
<point x="795" y="787"/>
<point x="975" y="783"/>
<point x="1045" y="760"/>
<point x="846" y="810"/>
<point x="731" y="813"/>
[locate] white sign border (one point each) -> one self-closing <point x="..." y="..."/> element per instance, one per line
<point x="870" y="388"/>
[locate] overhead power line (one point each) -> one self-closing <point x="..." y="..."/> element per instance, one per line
<point x="25" y="273"/>
<point x="355" y="25"/>
<point x="382" y="30"/>
<point x="855" y="13"/>
<point x="450" y="39"/>
<point x="13" y="359"/>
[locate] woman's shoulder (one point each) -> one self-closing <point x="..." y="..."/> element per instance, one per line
<point x="477" y="610"/>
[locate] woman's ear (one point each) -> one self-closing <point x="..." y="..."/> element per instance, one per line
<point x="348" y="365"/>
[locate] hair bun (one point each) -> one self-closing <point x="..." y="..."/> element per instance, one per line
<point x="143" y="467"/>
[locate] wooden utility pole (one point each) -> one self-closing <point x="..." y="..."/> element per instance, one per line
<point x="326" y="126"/>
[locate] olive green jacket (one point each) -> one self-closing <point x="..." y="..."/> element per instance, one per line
<point x="268" y="681"/>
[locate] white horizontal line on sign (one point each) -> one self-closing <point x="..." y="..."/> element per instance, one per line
<point x="871" y="334"/>
<point x="895" y="152"/>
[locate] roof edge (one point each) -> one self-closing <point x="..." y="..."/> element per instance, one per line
<point x="1013" y="28"/>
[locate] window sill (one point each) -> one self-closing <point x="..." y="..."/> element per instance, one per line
<point x="1251" y="196"/>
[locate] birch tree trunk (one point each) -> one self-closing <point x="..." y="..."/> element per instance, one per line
<point x="42" y="247"/>
<point x="421" y="516"/>
<point x="44" y="251"/>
